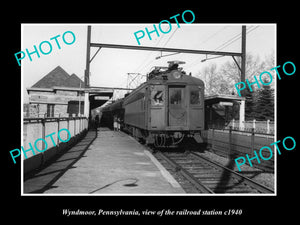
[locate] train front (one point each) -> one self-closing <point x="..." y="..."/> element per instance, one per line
<point x="177" y="107"/>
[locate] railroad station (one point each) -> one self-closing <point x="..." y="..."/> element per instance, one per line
<point x="165" y="137"/>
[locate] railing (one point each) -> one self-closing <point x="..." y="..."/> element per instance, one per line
<point x="259" y="127"/>
<point x="36" y="128"/>
<point x="45" y="115"/>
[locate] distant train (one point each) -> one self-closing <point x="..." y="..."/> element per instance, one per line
<point x="165" y="110"/>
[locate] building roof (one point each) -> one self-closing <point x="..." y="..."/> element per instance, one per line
<point x="60" y="78"/>
<point x="213" y="99"/>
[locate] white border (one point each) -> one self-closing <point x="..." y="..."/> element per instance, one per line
<point x="186" y="195"/>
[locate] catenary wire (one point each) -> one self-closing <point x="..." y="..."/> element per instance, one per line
<point x="226" y="44"/>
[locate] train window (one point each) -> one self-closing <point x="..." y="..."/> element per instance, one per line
<point x="157" y="97"/>
<point x="175" y="96"/>
<point x="195" y="97"/>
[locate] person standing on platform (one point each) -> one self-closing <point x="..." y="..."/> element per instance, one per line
<point x="97" y="122"/>
<point x="118" y="124"/>
<point x="115" y="123"/>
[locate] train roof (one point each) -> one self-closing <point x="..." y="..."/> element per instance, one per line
<point x="161" y="75"/>
<point x="174" y="76"/>
<point x="113" y="106"/>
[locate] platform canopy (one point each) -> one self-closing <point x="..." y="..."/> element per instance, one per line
<point x="215" y="99"/>
<point x="226" y="100"/>
<point x="99" y="96"/>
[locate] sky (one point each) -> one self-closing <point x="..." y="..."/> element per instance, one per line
<point x="110" y="66"/>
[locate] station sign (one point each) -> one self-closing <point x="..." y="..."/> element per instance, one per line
<point x="101" y="98"/>
<point x="226" y="103"/>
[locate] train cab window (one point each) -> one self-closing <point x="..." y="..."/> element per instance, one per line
<point x="175" y="96"/>
<point x="195" y="97"/>
<point x="157" y="96"/>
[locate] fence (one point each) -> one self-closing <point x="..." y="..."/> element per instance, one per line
<point x="262" y="127"/>
<point x="44" y="115"/>
<point x="35" y="128"/>
<point x="232" y="144"/>
<point x="258" y="126"/>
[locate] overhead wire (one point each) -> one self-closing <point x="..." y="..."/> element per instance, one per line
<point x="146" y="65"/>
<point x="162" y="46"/>
<point x="234" y="38"/>
<point x="227" y="43"/>
<point x="142" y="65"/>
<point x="170" y="37"/>
<point x="231" y="41"/>
<point x="206" y="40"/>
<point x="214" y="34"/>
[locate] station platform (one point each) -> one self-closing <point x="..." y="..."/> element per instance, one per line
<point x="110" y="163"/>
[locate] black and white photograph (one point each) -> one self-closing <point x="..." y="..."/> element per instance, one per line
<point x="171" y="119"/>
<point x="176" y="117"/>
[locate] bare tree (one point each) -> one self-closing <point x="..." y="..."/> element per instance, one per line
<point x="222" y="81"/>
<point x="259" y="102"/>
<point x="215" y="83"/>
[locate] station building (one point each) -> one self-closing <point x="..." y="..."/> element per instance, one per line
<point x="56" y="94"/>
<point x="59" y="94"/>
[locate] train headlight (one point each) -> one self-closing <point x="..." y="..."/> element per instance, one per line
<point x="176" y="75"/>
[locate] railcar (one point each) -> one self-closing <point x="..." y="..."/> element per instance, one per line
<point x="166" y="109"/>
<point x="112" y="111"/>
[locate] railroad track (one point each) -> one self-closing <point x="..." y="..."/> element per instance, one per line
<point x="210" y="177"/>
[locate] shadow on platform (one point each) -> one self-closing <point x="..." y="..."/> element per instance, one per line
<point x="44" y="178"/>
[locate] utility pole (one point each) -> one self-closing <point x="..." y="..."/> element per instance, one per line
<point x="243" y="75"/>
<point x="87" y="75"/>
<point x="87" y="69"/>
<point x="243" y="57"/>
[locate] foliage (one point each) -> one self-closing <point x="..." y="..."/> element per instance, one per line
<point x="260" y="102"/>
<point x="265" y="104"/>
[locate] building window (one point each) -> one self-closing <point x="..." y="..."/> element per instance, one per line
<point x="50" y="110"/>
<point x="73" y="107"/>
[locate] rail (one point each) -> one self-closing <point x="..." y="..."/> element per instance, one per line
<point x="261" y="188"/>
<point x="197" y="183"/>
<point x="210" y="177"/>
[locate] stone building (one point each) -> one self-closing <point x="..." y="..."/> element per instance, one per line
<point x="57" y="94"/>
